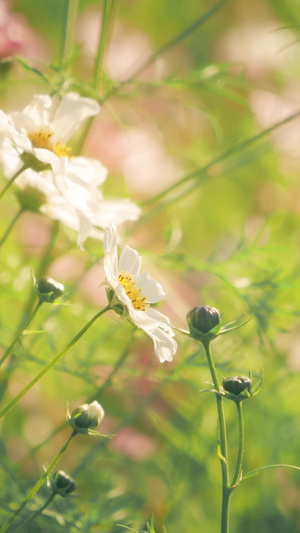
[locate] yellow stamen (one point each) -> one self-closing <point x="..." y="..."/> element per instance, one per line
<point x="138" y="301"/>
<point x="42" y="139"/>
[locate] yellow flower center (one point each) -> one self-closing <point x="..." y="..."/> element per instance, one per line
<point x="42" y="139"/>
<point x="138" y="301"/>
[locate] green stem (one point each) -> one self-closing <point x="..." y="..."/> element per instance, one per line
<point x="52" y="363"/>
<point x="39" y="483"/>
<point x="68" y="31"/>
<point x="11" y="225"/>
<point x="226" y="489"/>
<point x="20" y="333"/>
<point x="12" y="180"/>
<point x="36" y="513"/>
<point x="238" y="468"/>
<point x="106" y="19"/>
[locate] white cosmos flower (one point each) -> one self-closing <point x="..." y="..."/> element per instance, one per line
<point x="137" y="291"/>
<point x="69" y="184"/>
<point x="42" y="129"/>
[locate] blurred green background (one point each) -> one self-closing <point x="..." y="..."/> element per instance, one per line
<point x="227" y="236"/>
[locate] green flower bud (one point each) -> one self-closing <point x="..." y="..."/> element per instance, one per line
<point x="49" y="290"/>
<point x="62" y="484"/>
<point x="236" y="385"/>
<point x="86" y="416"/>
<point x="202" y="319"/>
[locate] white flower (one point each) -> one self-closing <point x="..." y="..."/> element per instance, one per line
<point x="42" y="129"/>
<point x="136" y="290"/>
<point x="69" y="184"/>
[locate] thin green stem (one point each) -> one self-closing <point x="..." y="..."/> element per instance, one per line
<point x="11" y="225"/>
<point x="67" y="42"/>
<point x="105" y="25"/>
<point x="226" y="489"/>
<point x="36" y="513"/>
<point x="200" y="175"/>
<point x="20" y="332"/>
<point x="12" y="180"/>
<point x="39" y="483"/>
<point x="167" y="46"/>
<point x="52" y="363"/>
<point x="239" y="462"/>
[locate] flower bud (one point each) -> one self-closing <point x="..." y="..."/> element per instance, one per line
<point x="87" y="416"/>
<point x="49" y="290"/>
<point x="237" y="384"/>
<point x="203" y="319"/>
<point x="62" y="484"/>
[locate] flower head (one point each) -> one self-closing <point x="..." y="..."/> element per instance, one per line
<point x="62" y="484"/>
<point x="36" y="139"/>
<point x="136" y="291"/>
<point x="86" y="417"/>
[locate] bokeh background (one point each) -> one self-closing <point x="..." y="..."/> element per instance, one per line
<point x="194" y="138"/>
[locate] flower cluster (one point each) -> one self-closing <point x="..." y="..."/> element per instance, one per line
<point x="34" y="147"/>
<point x="36" y="155"/>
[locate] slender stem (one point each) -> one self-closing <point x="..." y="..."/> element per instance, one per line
<point x="36" y="513"/>
<point x="52" y="363"/>
<point x="226" y="489"/>
<point x="39" y="483"/>
<point x="20" y="332"/>
<point x="106" y="18"/>
<point x="239" y="462"/>
<point x="67" y="42"/>
<point x="12" y="180"/>
<point x="11" y="225"/>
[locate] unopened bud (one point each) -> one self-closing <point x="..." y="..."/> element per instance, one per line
<point x="203" y="319"/>
<point x="87" y="416"/>
<point x="237" y="384"/>
<point x="49" y="290"/>
<point x="62" y="484"/>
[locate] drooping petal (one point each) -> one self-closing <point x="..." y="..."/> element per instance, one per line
<point x="165" y="345"/>
<point x="71" y="111"/>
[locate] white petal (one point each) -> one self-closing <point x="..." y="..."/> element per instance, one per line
<point x="49" y="158"/>
<point x="38" y="112"/>
<point x="115" y="212"/>
<point x="149" y="288"/>
<point x="164" y="345"/>
<point x="86" y="170"/>
<point x="110" y="240"/>
<point x="130" y="261"/>
<point x="71" y="111"/>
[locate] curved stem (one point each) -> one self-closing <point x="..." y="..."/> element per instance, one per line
<point x="11" y="225"/>
<point x="39" y="483"/>
<point x="226" y="489"/>
<point x="12" y="180"/>
<point x="239" y="462"/>
<point x="68" y="31"/>
<point x="52" y="363"/>
<point x="36" y="513"/>
<point x="20" y="333"/>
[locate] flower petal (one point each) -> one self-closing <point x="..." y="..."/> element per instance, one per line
<point x="165" y="345"/>
<point x="71" y="111"/>
<point x="130" y="261"/>
<point x="149" y="288"/>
